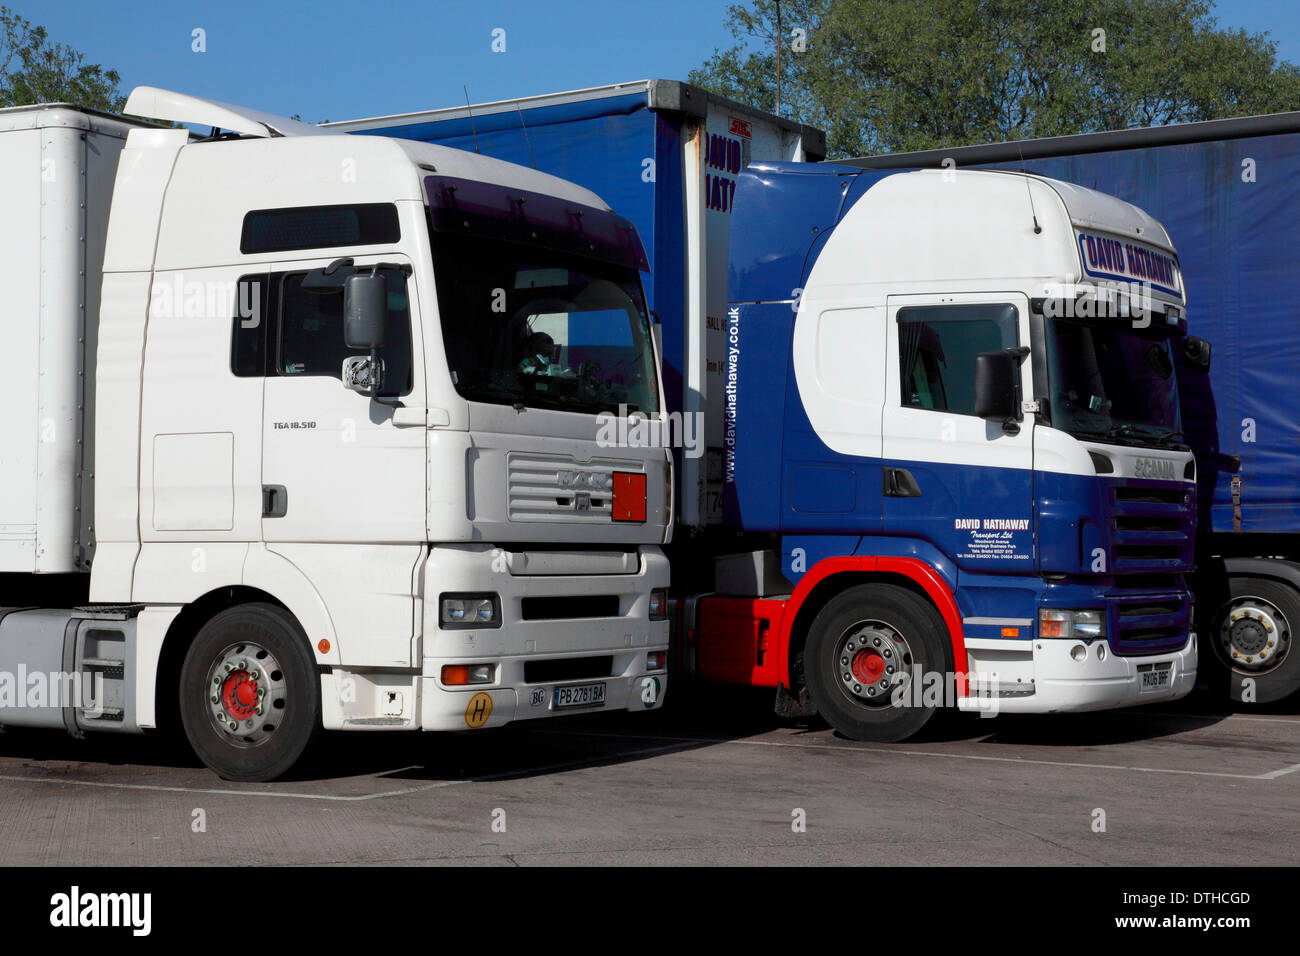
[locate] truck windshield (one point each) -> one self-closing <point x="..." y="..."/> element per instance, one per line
<point x="1113" y="382"/>
<point x="526" y="325"/>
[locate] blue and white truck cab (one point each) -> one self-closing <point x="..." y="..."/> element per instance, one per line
<point x="950" y="397"/>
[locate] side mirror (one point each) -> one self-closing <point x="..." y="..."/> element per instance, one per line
<point x="1197" y="353"/>
<point x="995" y="385"/>
<point x="365" y="310"/>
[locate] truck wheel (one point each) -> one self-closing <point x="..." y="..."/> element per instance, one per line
<point x="1254" y="635"/>
<point x="249" y="694"/>
<point x="865" y="650"/>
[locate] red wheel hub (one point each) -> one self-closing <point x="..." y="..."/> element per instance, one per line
<point x="239" y="694"/>
<point x="868" y="666"/>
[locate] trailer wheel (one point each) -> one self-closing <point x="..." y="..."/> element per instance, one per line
<point x="1254" y="634"/>
<point x="865" y="651"/>
<point x="249" y="694"/>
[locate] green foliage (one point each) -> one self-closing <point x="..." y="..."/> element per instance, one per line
<point x="892" y="75"/>
<point x="35" y="70"/>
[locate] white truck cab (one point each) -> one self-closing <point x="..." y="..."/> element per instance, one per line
<point x="345" y="470"/>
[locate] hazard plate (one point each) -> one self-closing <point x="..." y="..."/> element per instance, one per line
<point x="579" y="695"/>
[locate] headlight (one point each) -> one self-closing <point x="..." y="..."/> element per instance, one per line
<point x="1084" y="625"/>
<point x="469" y="610"/>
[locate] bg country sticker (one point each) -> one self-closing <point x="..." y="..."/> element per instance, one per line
<point x="998" y="539"/>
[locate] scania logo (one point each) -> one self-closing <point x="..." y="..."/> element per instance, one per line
<point x="1153" y="468"/>
<point x="585" y="480"/>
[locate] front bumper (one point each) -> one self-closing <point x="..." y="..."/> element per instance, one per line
<point x="465" y="708"/>
<point x="1046" y="677"/>
<point x="562" y="649"/>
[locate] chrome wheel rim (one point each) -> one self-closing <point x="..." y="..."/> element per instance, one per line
<point x="873" y="661"/>
<point x="1254" y="635"/>
<point x="246" y="694"/>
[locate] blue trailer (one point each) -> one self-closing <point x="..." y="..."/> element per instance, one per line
<point x="1228" y="192"/>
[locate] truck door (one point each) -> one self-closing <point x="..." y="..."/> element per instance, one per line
<point x="952" y="479"/>
<point x="200" y="430"/>
<point x="343" y="481"/>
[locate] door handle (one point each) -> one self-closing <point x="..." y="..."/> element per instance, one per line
<point x="899" y="483"/>
<point x="420" y="417"/>
<point x="275" y="501"/>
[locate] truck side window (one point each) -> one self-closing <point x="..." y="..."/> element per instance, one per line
<point x="937" y="348"/>
<point x="254" y="309"/>
<point x="311" y="333"/>
<point x="280" y="329"/>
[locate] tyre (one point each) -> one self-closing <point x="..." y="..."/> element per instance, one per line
<point x="866" y="649"/>
<point x="249" y="693"/>
<point x="1253" y="636"/>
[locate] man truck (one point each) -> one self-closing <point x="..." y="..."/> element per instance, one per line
<point x="1227" y="190"/>
<point x="940" y="462"/>
<point x="300" y="433"/>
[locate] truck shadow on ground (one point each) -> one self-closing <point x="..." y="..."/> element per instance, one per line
<point x="525" y="749"/>
<point x="693" y="718"/>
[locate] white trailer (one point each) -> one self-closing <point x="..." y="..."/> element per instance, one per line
<point x="302" y="433"/>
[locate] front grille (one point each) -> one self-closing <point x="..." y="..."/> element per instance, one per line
<point x="567" y="668"/>
<point x="555" y="488"/>
<point x="567" y="608"/>
<point x="1146" y="552"/>
<point x="1173" y="496"/>
<point x="1150" y="623"/>
<point x="1148" y="523"/>
<point x="1149" y="607"/>
<point x="1151" y="527"/>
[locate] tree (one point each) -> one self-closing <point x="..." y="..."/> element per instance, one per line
<point x="891" y="75"/>
<point x="35" y="70"/>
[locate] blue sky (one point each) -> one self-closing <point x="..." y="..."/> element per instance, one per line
<point x="339" y="60"/>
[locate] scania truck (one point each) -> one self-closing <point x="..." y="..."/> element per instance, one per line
<point x="1228" y="190"/>
<point x="941" y="462"/>
<point x="300" y="433"/>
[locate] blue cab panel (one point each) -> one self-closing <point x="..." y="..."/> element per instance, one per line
<point x="782" y="478"/>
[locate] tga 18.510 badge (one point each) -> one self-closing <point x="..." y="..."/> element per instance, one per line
<point x="478" y="710"/>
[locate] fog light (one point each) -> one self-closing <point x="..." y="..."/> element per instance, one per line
<point x="1079" y="652"/>
<point x="659" y="604"/>
<point x="469" y="610"/>
<point x="458" y="675"/>
<point x="656" y="660"/>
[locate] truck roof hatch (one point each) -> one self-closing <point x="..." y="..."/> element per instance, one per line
<point x="153" y="103"/>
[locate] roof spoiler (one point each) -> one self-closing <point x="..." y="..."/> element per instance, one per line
<point x="168" y="106"/>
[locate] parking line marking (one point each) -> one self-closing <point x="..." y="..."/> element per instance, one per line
<point x="1260" y="720"/>
<point x="1274" y="774"/>
<point x="435" y="785"/>
<point x="227" y="793"/>
<point x="1269" y="775"/>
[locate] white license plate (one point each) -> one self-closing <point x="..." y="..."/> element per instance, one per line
<point x="1157" y="678"/>
<point x="580" y="695"/>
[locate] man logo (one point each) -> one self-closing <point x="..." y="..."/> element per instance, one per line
<point x="478" y="710"/>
